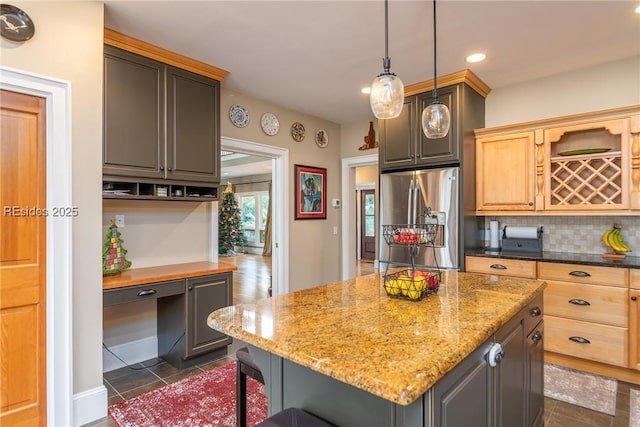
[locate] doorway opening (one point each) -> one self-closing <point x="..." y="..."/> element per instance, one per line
<point x="350" y="211"/>
<point x="279" y="200"/>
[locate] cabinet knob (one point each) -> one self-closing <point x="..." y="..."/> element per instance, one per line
<point x="634" y="298"/>
<point x="190" y="288"/>
<point x="530" y="203"/>
<point x="536" y="337"/>
<point x="161" y="168"/>
<point x="535" y="312"/>
<point x="169" y="169"/>
<point x="496" y="353"/>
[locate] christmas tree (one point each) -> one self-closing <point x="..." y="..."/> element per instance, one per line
<point x="230" y="231"/>
<point x="113" y="255"/>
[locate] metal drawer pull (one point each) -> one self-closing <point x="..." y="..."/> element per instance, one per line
<point x="577" y="301"/>
<point x="579" y="273"/>
<point x="535" y="312"/>
<point x="536" y="337"/>
<point x="498" y="267"/>
<point x="146" y="292"/>
<point x="580" y="340"/>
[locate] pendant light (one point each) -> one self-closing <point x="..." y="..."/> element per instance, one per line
<point x="387" y="90"/>
<point x="436" y="118"/>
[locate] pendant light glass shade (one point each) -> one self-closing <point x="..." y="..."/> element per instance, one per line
<point x="436" y="118"/>
<point x="387" y="90"/>
<point x="387" y="96"/>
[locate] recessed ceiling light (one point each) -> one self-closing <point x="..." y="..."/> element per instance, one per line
<point x="366" y="90"/>
<point x="638" y="9"/>
<point x="476" y="57"/>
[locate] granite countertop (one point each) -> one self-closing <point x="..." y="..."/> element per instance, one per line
<point x="393" y="348"/>
<point x="146" y="275"/>
<point x="560" y="257"/>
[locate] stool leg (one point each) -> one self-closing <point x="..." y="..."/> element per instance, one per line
<point x="241" y="397"/>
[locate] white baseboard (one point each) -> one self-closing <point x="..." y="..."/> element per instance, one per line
<point x="90" y="405"/>
<point x="131" y="352"/>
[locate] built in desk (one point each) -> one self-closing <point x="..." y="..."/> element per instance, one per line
<point x="186" y="294"/>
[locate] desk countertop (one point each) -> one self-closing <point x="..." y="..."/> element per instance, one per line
<point x="393" y="348"/>
<point x="141" y="276"/>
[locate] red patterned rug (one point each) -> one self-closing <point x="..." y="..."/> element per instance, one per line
<point x="205" y="399"/>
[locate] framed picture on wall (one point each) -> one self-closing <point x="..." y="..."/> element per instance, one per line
<point x="310" y="192"/>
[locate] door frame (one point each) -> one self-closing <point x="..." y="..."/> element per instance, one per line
<point x="59" y="242"/>
<point x="348" y="173"/>
<point x="280" y="208"/>
<point x="359" y="224"/>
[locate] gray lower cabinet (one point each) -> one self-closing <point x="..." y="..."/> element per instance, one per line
<point x="183" y="333"/>
<point x="473" y="394"/>
<point x="509" y="394"/>
<point x="205" y="295"/>
<point x="160" y="122"/>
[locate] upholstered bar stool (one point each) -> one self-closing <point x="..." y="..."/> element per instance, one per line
<point x="293" y="417"/>
<point x="245" y="366"/>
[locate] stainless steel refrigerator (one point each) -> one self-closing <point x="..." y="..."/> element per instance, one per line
<point x="426" y="196"/>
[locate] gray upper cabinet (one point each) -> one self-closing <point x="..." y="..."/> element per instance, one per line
<point x="404" y="146"/>
<point x="160" y="121"/>
<point x="133" y="140"/>
<point x="193" y="127"/>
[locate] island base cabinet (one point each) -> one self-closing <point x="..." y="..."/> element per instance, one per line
<point x="474" y="393"/>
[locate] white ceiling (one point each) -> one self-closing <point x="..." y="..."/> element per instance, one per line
<point x="314" y="56"/>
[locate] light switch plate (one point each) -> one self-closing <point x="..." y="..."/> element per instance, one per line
<point x="120" y="221"/>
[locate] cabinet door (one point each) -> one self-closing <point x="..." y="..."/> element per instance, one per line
<point x="397" y="138"/>
<point x="133" y="139"/>
<point x="440" y="150"/>
<point x="193" y="127"/>
<point x="505" y="174"/>
<point x="463" y="397"/>
<point x="535" y="376"/>
<point x="510" y="375"/>
<point x="634" y="329"/>
<point x="205" y="295"/>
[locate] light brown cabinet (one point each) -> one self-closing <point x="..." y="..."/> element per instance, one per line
<point x="505" y="172"/>
<point x="634" y="320"/>
<point x="501" y="267"/>
<point x="592" y="313"/>
<point x="586" y="311"/>
<point x="582" y="164"/>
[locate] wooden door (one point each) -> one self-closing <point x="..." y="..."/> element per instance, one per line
<point x="22" y="260"/>
<point x="368" y="224"/>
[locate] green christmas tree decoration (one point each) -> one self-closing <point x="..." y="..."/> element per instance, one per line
<point x="230" y="232"/>
<point x="113" y="255"/>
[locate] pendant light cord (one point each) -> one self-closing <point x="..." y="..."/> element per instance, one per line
<point x="435" y="75"/>
<point x="386" y="62"/>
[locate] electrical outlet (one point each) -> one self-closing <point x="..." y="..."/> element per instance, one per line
<point x="120" y="221"/>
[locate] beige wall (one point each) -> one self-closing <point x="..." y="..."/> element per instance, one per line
<point x="68" y="45"/>
<point x="609" y="85"/>
<point x="321" y="264"/>
<point x="367" y="174"/>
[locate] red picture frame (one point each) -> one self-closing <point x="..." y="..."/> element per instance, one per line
<point x="310" y="192"/>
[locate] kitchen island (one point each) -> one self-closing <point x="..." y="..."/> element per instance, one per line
<point x="354" y="356"/>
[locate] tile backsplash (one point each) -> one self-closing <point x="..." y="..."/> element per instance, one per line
<point x="575" y="234"/>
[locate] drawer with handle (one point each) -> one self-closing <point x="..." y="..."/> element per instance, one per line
<point x="501" y="266"/>
<point x="588" y="274"/>
<point x="586" y="340"/>
<point x="592" y="303"/>
<point x="140" y="292"/>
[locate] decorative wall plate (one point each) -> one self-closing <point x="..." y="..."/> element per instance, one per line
<point x="239" y="115"/>
<point x="270" y="124"/>
<point x="15" y="24"/>
<point x="297" y="131"/>
<point x="322" y="138"/>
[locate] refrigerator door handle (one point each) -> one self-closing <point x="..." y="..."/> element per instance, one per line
<point x="416" y="192"/>
<point x="409" y="206"/>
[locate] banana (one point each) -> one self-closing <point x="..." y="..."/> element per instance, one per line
<point x="605" y="237"/>
<point x="614" y="239"/>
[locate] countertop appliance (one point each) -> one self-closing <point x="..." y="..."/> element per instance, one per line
<point x="405" y="198"/>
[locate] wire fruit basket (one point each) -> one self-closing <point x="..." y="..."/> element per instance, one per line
<point x="412" y="284"/>
<point x="410" y="234"/>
